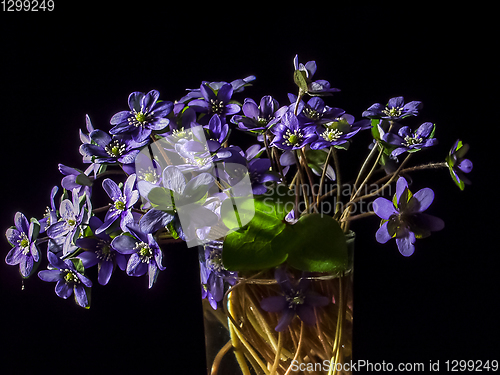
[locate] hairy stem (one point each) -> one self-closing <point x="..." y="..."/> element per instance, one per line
<point x="323" y="174"/>
<point x="339" y="184"/>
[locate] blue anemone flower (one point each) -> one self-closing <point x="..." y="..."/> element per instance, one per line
<point x="395" y="110"/>
<point x="289" y="135"/>
<point x="259" y="117"/>
<point x="215" y="102"/>
<point x="408" y="141"/>
<point x="403" y="217"/>
<point x="145" y="253"/>
<point x="99" y="251"/>
<point x="122" y="203"/>
<point x="146" y="115"/>
<point x="69" y="278"/>
<point x="23" y="239"/>
<point x="296" y="299"/>
<point x="458" y="164"/>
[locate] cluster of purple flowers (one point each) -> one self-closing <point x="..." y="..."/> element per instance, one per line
<point x="175" y="168"/>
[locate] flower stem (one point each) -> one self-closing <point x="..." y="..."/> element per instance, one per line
<point x="235" y="341"/>
<point x="218" y="358"/>
<point x="338" y="333"/>
<point x="360" y="216"/>
<point x="278" y="355"/>
<point x="42" y="240"/>
<point x="309" y="173"/>
<point x="367" y="178"/>
<point x="101" y="209"/>
<point x="107" y="173"/>
<point x="268" y="152"/>
<point x="302" y="180"/>
<point x="391" y="179"/>
<point x="288" y="371"/>
<point x="299" y="98"/>
<point x="323" y="174"/>
<point x="416" y="168"/>
<point x="337" y="172"/>
<point x="162" y="151"/>
<point x="364" y="167"/>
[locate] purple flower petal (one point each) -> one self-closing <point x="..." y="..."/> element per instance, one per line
<point x="405" y="131"/>
<point x="135" y="100"/>
<point x="34" y="252"/>
<point x="428" y="222"/>
<point x="121" y="261"/>
<point x="21" y="222"/>
<point x="406" y="243"/>
<point x="225" y="92"/>
<point x="207" y="94"/>
<point x="382" y="235"/>
<point x="152" y="273"/>
<point x="93" y="150"/>
<point x="50" y="275"/>
<point x="250" y="109"/>
<point x="13" y="235"/>
<point x="384" y="208"/>
<point x="465" y="165"/>
<point x="89" y="258"/>
<point x="84" y="279"/>
<point x="316" y="300"/>
<point x="173" y="179"/>
<point x="153" y="220"/>
<point x="14" y="256"/>
<point x="66" y="209"/>
<point x="159" y="260"/>
<point x="396" y="102"/>
<point x="127" y="219"/>
<point x="135" y="266"/>
<point x="273" y="304"/>
<point x="63" y="290"/>
<point x="81" y="295"/>
<point x="102" y="138"/>
<point x="401" y="185"/>
<point x="58" y="229"/>
<point x="26" y="266"/>
<point x="159" y="124"/>
<point x="424" y="130"/>
<point x="424" y="197"/>
<point x="306" y="314"/>
<point x="285" y="320"/>
<point x="105" y="271"/>
<point x="119" y="117"/>
<point x="112" y="189"/>
<point x="149" y="99"/>
<point x="124" y="244"/>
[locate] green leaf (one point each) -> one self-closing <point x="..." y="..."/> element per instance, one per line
<point x="316" y="243"/>
<point x="376" y="129"/>
<point x="161" y="199"/>
<point x="236" y="212"/>
<point x="433" y="131"/>
<point x="172" y="230"/>
<point x="77" y="262"/>
<point x="83" y="179"/>
<point x="316" y="157"/>
<point x="256" y="245"/>
<point x="36" y="228"/>
<point x="300" y="79"/>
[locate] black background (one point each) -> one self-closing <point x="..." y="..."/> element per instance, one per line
<point x="80" y="59"/>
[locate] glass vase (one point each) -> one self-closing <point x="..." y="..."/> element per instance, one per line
<point x="240" y="336"/>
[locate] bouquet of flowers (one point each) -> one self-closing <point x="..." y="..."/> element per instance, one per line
<point x="271" y="221"/>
